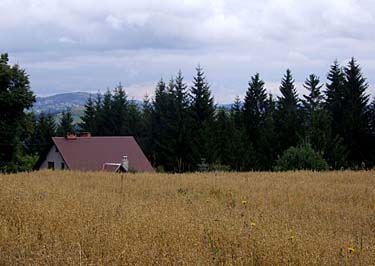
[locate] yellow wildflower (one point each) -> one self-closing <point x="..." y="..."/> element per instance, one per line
<point x="253" y="224"/>
<point x="351" y="250"/>
<point x="244" y="202"/>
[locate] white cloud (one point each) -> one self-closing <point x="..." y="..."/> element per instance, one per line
<point x="93" y="44"/>
<point x="67" y="40"/>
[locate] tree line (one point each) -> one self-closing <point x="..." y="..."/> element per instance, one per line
<point x="181" y="129"/>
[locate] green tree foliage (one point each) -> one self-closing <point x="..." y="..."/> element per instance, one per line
<point x="105" y="122"/>
<point x="181" y="129"/>
<point x="202" y="114"/>
<point x="88" y="123"/>
<point x="147" y="131"/>
<point x="254" y="115"/>
<point x="119" y="109"/>
<point x="334" y="98"/>
<point x="267" y="141"/>
<point x="223" y="136"/>
<point x="66" y="124"/>
<point x="240" y="151"/>
<point x="302" y="157"/>
<point x="40" y="138"/>
<point x="317" y="123"/>
<point x="15" y="97"/>
<point x="287" y="115"/>
<point x="163" y="117"/>
<point x="355" y="128"/>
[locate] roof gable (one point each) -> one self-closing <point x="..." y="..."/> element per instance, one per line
<point x="90" y="153"/>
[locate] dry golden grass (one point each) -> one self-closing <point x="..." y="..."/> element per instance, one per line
<point x="294" y="218"/>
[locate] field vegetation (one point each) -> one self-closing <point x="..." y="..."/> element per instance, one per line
<point x="291" y="218"/>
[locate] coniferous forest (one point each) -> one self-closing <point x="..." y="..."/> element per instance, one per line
<point x="181" y="129"/>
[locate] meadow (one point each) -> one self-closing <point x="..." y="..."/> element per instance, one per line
<point x="291" y="218"/>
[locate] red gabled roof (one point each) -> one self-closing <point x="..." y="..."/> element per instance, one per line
<point x="89" y="153"/>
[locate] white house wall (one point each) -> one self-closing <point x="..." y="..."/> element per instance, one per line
<point x="53" y="156"/>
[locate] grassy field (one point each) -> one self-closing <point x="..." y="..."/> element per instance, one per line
<point x="294" y="218"/>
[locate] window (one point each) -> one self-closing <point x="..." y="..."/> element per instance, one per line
<point x="51" y="165"/>
<point x="62" y="166"/>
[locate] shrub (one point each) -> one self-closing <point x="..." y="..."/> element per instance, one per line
<point x="302" y="157"/>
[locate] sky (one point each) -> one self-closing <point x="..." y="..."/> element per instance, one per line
<point x="92" y="45"/>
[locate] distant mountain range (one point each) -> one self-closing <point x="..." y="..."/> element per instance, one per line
<point x="73" y="101"/>
<point x="60" y="102"/>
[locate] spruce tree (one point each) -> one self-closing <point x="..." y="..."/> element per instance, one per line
<point x="98" y="122"/>
<point x="162" y="118"/>
<point x="236" y="112"/>
<point x="147" y="133"/>
<point x="88" y="123"/>
<point x="105" y="119"/>
<point x="334" y="98"/>
<point x="202" y="114"/>
<point x="239" y="152"/>
<point x="133" y="123"/>
<point x="254" y="106"/>
<point x="355" y="117"/>
<point x="336" y="152"/>
<point x="254" y="109"/>
<point x="224" y="131"/>
<point x="267" y="142"/>
<point x="119" y="112"/>
<point x="181" y="128"/>
<point x="317" y="124"/>
<point x="66" y="124"/>
<point x="288" y="122"/>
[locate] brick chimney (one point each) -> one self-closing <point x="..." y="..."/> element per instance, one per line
<point x="85" y="134"/>
<point x="71" y="136"/>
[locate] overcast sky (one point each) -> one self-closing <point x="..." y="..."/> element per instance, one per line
<point x="91" y="45"/>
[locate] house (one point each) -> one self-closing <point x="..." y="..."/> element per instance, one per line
<point x="87" y="153"/>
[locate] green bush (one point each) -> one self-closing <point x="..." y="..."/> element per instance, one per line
<point x="302" y="157"/>
<point x="220" y="168"/>
<point x="23" y="163"/>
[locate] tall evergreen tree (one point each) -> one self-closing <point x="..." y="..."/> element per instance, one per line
<point x="147" y="133"/>
<point x="254" y="109"/>
<point x="119" y="110"/>
<point x="105" y="122"/>
<point x="355" y="117"/>
<point x="133" y="123"/>
<point x="236" y="112"/>
<point x="99" y="118"/>
<point x="181" y="131"/>
<point x="267" y="143"/>
<point x="162" y="125"/>
<point x="88" y="123"/>
<point x="239" y="151"/>
<point x="336" y="153"/>
<point x="316" y="119"/>
<point x="66" y="124"/>
<point x="202" y="114"/>
<point x="224" y="131"/>
<point x="334" y="97"/>
<point x="288" y="124"/>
